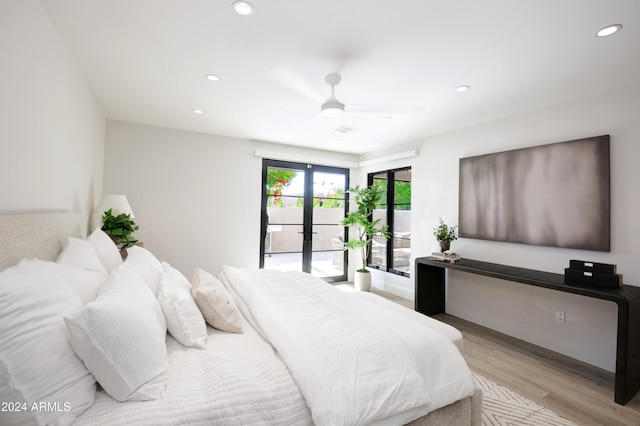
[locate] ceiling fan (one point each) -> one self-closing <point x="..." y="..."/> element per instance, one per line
<point x="332" y="107"/>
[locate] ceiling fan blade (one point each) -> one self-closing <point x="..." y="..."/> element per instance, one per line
<point x="286" y="77"/>
<point x="384" y="110"/>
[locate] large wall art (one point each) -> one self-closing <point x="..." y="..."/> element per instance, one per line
<point x="549" y="195"/>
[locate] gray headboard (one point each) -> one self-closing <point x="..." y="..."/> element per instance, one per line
<point x="37" y="235"/>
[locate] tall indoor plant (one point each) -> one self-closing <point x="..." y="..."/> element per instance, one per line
<point x="366" y="199"/>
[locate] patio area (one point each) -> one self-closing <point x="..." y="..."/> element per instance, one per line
<point x="324" y="263"/>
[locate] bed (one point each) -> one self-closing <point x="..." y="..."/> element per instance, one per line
<point x="270" y="373"/>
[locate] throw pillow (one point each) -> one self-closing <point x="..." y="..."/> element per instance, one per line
<point x="215" y="302"/>
<point x="184" y="319"/>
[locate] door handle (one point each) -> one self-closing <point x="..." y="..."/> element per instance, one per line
<point x="307" y="236"/>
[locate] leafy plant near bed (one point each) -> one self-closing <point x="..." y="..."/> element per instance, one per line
<point x="120" y="228"/>
<point x="366" y="199"/>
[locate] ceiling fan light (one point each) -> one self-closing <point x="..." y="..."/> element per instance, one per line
<point x="332" y="108"/>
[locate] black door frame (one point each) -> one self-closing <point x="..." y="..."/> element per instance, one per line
<point x="307" y="226"/>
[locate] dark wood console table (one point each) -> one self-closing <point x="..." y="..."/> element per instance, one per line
<point x="430" y="300"/>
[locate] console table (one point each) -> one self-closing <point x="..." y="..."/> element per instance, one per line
<point x="430" y="300"/>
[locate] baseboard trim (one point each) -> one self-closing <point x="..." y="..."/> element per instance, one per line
<point x="577" y="350"/>
<point x="398" y="285"/>
<point x="395" y="290"/>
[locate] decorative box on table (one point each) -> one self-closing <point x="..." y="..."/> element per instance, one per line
<point x="592" y="273"/>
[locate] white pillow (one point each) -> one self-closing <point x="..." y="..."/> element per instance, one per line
<point x="146" y="265"/>
<point x="80" y="253"/>
<point x="37" y="363"/>
<point x="85" y="282"/>
<point x="121" y="338"/>
<point x="184" y="319"/>
<point x="81" y="266"/>
<point x="215" y="302"/>
<point x="106" y="249"/>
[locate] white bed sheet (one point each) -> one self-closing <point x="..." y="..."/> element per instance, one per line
<point x="238" y="380"/>
<point x="446" y="330"/>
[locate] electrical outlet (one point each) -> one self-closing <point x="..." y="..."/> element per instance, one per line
<point x="560" y="316"/>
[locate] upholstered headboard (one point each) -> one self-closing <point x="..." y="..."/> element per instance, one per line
<point x="37" y="235"/>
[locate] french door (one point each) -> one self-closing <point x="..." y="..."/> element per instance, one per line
<point x="302" y="206"/>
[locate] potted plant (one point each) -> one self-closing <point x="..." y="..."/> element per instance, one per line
<point x="445" y="234"/>
<point x="120" y="228"/>
<point x="366" y="199"/>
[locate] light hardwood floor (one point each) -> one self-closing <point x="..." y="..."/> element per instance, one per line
<point x="575" y="390"/>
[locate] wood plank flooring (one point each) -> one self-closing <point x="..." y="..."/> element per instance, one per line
<point x="575" y="390"/>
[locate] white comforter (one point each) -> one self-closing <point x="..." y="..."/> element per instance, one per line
<point x="355" y="362"/>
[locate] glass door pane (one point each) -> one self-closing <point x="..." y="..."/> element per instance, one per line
<point x="283" y="236"/>
<point x="328" y="255"/>
<point x="378" y="254"/>
<point x="402" y="221"/>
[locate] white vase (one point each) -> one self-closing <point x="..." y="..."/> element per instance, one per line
<point x="362" y="281"/>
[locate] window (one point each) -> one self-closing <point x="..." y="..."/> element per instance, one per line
<point x="394" y="210"/>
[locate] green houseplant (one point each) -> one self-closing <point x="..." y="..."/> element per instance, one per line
<point x="366" y="199"/>
<point x="445" y="234"/>
<point x="120" y="228"/>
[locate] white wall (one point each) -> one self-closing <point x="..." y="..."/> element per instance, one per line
<point x="196" y="197"/>
<point x="51" y="128"/>
<point x="523" y="311"/>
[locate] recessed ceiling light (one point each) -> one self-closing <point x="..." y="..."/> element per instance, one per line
<point x="198" y="111"/>
<point x="243" y="7"/>
<point x="387" y="118"/>
<point x="607" y="31"/>
<point x="212" y="77"/>
<point x="463" y="88"/>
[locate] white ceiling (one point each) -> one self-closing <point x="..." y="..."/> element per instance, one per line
<point x="146" y="61"/>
